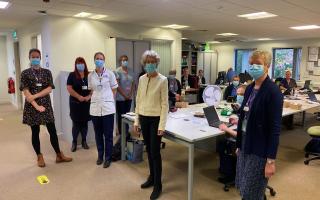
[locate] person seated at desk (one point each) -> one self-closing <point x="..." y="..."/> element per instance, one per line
<point x="231" y="90"/>
<point x="174" y="88"/>
<point x="288" y="82"/>
<point x="230" y="75"/>
<point x="200" y="77"/>
<point x="186" y="79"/>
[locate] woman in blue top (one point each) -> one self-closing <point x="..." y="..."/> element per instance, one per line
<point x="258" y="130"/>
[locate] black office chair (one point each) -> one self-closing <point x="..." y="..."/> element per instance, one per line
<point x="313" y="146"/>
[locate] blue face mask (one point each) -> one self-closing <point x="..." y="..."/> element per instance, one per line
<point x="35" y="61"/>
<point x="80" y="67"/>
<point x="171" y="76"/>
<point x="240" y="99"/>
<point x="124" y="63"/>
<point x="150" y="67"/>
<point x="235" y="83"/>
<point x="256" y="71"/>
<point x="99" y="63"/>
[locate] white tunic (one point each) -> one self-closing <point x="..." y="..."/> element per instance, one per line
<point x="102" y="100"/>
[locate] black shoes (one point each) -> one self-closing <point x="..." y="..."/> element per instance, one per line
<point x="99" y="162"/>
<point x="85" y="145"/>
<point x="106" y="164"/>
<point x="148" y="183"/>
<point x="156" y="192"/>
<point x="74" y="147"/>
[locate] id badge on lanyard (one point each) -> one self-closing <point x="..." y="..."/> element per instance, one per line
<point x="84" y="86"/>
<point x="38" y="83"/>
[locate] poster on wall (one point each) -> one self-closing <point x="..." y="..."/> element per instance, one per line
<point x="310" y="66"/>
<point x="314" y="50"/>
<point x="313" y="57"/>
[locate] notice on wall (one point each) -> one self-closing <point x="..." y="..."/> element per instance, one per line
<point x="314" y="50"/>
<point x="310" y="66"/>
<point x="316" y="71"/>
<point x="313" y="57"/>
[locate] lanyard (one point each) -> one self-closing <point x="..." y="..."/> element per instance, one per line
<point x="100" y="75"/>
<point x="34" y="74"/>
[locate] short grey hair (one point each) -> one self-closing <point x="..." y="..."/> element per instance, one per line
<point x="266" y="55"/>
<point x="150" y="53"/>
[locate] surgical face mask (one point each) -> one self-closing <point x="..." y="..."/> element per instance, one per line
<point x="235" y="83"/>
<point x="256" y="71"/>
<point x="35" y="62"/>
<point x="171" y="76"/>
<point x="240" y="99"/>
<point x="80" y="67"/>
<point x="99" y="63"/>
<point x="150" y="68"/>
<point x="124" y="63"/>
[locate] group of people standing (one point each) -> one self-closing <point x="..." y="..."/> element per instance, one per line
<point x="98" y="96"/>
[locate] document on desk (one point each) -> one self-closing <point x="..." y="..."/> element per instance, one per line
<point x="178" y="116"/>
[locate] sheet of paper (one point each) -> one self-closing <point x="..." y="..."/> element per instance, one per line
<point x="310" y="66"/>
<point x="313" y="57"/>
<point x="178" y="116"/>
<point x="313" y="50"/>
<point x="316" y="71"/>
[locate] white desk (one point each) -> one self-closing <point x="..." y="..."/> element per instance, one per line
<point x="183" y="128"/>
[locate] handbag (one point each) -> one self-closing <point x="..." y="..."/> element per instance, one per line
<point x="135" y="150"/>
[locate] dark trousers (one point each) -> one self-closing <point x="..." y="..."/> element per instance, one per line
<point x="122" y="107"/>
<point x="79" y="127"/>
<point x="53" y="137"/>
<point x="149" y="127"/>
<point x="103" y="128"/>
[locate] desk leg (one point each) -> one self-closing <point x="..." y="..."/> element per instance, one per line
<point x="190" y="171"/>
<point x="303" y="118"/>
<point x="123" y="139"/>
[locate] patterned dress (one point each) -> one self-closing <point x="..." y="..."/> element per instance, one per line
<point x="250" y="179"/>
<point x="36" y="81"/>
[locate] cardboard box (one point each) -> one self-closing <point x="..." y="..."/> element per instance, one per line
<point x="182" y="104"/>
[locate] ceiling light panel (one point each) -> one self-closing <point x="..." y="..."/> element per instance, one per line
<point x="227" y="34"/>
<point x="98" y="16"/>
<point x="175" y="26"/>
<point x="4" y="4"/>
<point x="258" y="15"/>
<point x="83" y="14"/>
<point x="306" y="27"/>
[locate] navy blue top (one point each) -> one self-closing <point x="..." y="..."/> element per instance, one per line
<point x="292" y="83"/>
<point x="264" y="122"/>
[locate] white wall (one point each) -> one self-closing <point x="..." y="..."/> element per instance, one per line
<point x="4" y="96"/>
<point x="226" y="52"/>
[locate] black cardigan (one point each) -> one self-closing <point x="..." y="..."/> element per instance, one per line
<point x="264" y="123"/>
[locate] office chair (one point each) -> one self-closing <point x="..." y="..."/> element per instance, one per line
<point x="313" y="146"/>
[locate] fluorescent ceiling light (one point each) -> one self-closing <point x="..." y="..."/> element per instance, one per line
<point x="227" y="34"/>
<point x="264" y="39"/>
<point x="175" y="26"/>
<point x="83" y="14"/>
<point x="184" y="38"/>
<point x="4" y="4"/>
<point x="214" y="42"/>
<point x="258" y="15"/>
<point x="307" y="27"/>
<point x="98" y="16"/>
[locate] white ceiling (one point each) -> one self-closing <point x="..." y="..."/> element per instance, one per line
<point x="216" y="16"/>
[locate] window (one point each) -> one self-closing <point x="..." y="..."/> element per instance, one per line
<point x="242" y="60"/>
<point x="286" y="59"/>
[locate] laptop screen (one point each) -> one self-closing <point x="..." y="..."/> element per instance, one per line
<point x="312" y="96"/>
<point x="211" y="114"/>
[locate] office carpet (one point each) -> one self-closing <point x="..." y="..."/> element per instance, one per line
<point x="82" y="179"/>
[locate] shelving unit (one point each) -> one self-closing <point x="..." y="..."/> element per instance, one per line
<point x="189" y="59"/>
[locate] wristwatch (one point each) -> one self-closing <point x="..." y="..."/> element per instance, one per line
<point x="270" y="161"/>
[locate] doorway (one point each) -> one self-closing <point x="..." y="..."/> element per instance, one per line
<point x="17" y="74"/>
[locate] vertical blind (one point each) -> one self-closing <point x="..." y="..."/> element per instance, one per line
<point x="163" y="48"/>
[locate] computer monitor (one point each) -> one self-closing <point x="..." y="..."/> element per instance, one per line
<point x="307" y="84"/>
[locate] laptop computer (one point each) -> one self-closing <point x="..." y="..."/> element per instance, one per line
<point x="312" y="97"/>
<point x="212" y="117"/>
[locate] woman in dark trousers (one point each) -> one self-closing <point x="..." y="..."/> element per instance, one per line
<point x="37" y="84"/>
<point x="124" y="91"/>
<point x="151" y="114"/>
<point x="258" y="131"/>
<point x="103" y="84"/>
<point x="79" y="102"/>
